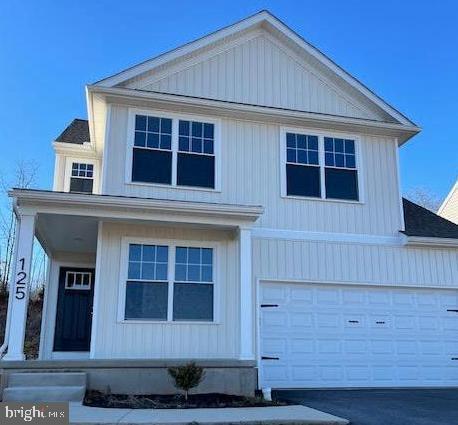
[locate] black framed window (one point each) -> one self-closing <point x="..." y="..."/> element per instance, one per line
<point x="152" y="151"/>
<point x="193" y="286"/>
<point x="82" y="178"/>
<point x="302" y="165"/>
<point x="341" y="175"/>
<point x="196" y="156"/>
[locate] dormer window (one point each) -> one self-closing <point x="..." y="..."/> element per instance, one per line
<point x="319" y="166"/>
<point x="174" y="150"/>
<point x="82" y="177"/>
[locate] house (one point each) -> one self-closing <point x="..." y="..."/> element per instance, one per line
<point x="449" y="208"/>
<point x="237" y="201"/>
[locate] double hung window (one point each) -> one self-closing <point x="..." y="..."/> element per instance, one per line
<point x="174" y="151"/>
<point x="319" y="166"/>
<point x="155" y="291"/>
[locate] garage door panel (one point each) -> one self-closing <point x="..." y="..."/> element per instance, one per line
<point x="346" y="336"/>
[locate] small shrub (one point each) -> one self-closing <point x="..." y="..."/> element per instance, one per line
<point x="187" y="377"/>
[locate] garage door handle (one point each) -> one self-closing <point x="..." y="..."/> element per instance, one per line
<point x="353" y="321"/>
<point x="452" y="310"/>
<point x="269" y="358"/>
<point x="454" y="358"/>
<point x="269" y="305"/>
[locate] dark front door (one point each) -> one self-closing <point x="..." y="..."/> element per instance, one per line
<point x="74" y="309"/>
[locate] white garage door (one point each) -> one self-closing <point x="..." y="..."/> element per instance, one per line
<point x="316" y="336"/>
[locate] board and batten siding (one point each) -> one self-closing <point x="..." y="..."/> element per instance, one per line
<point x="114" y="339"/>
<point x="258" y="69"/>
<point x="250" y="174"/>
<point x="333" y="262"/>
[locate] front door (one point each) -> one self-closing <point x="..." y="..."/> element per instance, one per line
<point x="74" y="309"/>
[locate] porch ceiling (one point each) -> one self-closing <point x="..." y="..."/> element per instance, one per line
<point x="67" y="233"/>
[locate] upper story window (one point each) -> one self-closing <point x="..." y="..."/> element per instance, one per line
<point x="320" y="167"/>
<point x="152" y="152"/>
<point x="82" y="177"/>
<point x="174" y="151"/>
<point x="341" y="176"/>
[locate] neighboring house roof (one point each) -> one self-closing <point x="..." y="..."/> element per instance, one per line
<point x="449" y="208"/>
<point x="266" y="21"/>
<point x="422" y="222"/>
<point x="77" y="132"/>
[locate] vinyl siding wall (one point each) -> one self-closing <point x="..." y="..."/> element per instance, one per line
<point x="250" y="174"/>
<point x="115" y="339"/>
<point x="258" y="70"/>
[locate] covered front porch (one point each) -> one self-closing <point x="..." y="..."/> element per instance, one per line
<point x="92" y="310"/>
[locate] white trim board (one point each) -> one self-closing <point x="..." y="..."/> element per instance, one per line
<point x="299" y="235"/>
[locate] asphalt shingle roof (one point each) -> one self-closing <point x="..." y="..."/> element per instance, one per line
<point x="421" y="222"/>
<point x="77" y="132"/>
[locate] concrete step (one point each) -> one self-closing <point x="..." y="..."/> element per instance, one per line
<point x="44" y="394"/>
<point x="43" y="379"/>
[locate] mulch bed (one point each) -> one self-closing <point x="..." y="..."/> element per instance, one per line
<point x="195" y="401"/>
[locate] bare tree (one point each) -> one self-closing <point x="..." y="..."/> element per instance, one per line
<point x="424" y="197"/>
<point x="23" y="176"/>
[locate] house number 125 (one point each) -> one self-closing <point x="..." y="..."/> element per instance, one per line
<point x="21" y="282"/>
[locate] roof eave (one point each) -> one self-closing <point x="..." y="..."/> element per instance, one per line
<point x="427" y="241"/>
<point x="400" y="131"/>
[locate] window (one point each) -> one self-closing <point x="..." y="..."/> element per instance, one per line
<point x="82" y="177"/>
<point x="154" y="291"/>
<point x="321" y="167"/>
<point x="147" y="286"/>
<point x="340" y="169"/>
<point x="78" y="280"/>
<point x="193" y="287"/>
<point x="196" y="159"/>
<point x="302" y="165"/>
<point x="174" y="152"/>
<point x="152" y="154"/>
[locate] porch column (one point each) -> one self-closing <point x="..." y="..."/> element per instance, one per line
<point x="246" y="296"/>
<point x="20" y="285"/>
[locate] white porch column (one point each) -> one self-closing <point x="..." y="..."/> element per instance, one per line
<point x="246" y="296"/>
<point x="20" y="285"/>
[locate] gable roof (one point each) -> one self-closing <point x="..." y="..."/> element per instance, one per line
<point x="267" y="21"/>
<point x="424" y="223"/>
<point x="77" y="132"/>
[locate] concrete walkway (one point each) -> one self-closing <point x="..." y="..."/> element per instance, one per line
<point x="297" y="415"/>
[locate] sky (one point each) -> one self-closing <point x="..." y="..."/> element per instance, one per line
<point x="406" y="51"/>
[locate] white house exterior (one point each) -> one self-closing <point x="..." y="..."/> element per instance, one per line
<point x="244" y="207"/>
<point x="449" y="208"/>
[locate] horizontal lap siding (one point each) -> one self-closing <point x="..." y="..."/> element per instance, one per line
<point x="129" y="340"/>
<point x="250" y="174"/>
<point x="354" y="263"/>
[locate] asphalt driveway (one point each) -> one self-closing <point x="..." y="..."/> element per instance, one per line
<point x="382" y="407"/>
